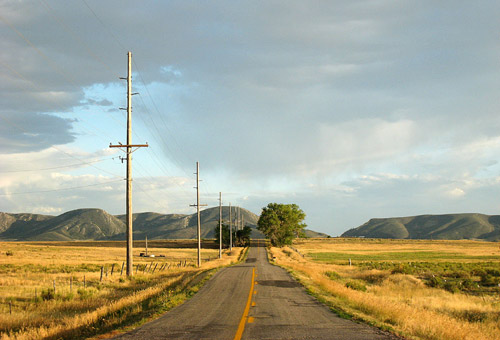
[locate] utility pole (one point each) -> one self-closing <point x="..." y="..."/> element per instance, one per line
<point x="220" y="225"/>
<point x="128" y="147"/>
<point x="197" y="205"/>
<point x="239" y="218"/>
<point x="230" y="229"/>
<point x="146" y="245"/>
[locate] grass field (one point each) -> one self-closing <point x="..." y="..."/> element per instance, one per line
<point x="419" y="289"/>
<point x="84" y="301"/>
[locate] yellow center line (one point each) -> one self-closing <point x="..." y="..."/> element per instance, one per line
<point x="241" y="326"/>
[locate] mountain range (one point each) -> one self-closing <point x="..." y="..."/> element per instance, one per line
<point x="438" y="227"/>
<point x="97" y="224"/>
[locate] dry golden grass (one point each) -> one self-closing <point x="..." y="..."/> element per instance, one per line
<point x="402" y="303"/>
<point x="369" y="246"/>
<point x="29" y="273"/>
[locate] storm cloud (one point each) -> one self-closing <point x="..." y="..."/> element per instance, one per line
<point x="371" y="106"/>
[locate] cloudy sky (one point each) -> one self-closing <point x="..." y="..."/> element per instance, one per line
<point x="350" y="109"/>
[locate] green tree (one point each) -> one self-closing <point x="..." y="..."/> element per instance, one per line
<point x="225" y="235"/>
<point x="241" y="238"/>
<point x="281" y="223"/>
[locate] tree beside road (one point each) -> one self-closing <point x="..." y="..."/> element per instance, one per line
<point x="281" y="223"/>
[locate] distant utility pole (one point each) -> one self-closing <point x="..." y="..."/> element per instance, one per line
<point x="128" y="147"/>
<point x="220" y="225"/>
<point x="239" y="218"/>
<point x="197" y="205"/>
<point x="230" y="229"/>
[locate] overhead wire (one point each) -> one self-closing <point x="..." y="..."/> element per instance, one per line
<point x="56" y="148"/>
<point x="60" y="189"/>
<point x="160" y="136"/>
<point x="155" y="157"/>
<point x="58" y="167"/>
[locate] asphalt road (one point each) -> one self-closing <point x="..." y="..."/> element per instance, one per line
<point x="253" y="300"/>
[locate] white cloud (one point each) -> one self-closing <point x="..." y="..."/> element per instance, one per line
<point x="456" y="193"/>
<point x="355" y="109"/>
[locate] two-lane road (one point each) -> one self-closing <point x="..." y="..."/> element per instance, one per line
<point x="253" y="300"/>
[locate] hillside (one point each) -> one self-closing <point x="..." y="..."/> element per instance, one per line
<point x="81" y="224"/>
<point x="439" y="227"/>
<point x="97" y="224"/>
<point x="176" y="226"/>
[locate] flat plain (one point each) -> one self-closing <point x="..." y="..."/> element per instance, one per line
<point x="61" y="290"/>
<point x="419" y="289"/>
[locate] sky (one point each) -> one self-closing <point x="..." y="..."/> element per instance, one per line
<point x="350" y="109"/>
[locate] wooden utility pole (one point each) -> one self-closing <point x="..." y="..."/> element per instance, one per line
<point x="230" y="230"/>
<point x="197" y="205"/>
<point x="146" y="245"/>
<point x="239" y="218"/>
<point x="220" y="225"/>
<point x="128" y="147"/>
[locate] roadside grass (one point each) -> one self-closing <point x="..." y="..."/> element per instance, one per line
<point x="419" y="297"/>
<point x="77" y="309"/>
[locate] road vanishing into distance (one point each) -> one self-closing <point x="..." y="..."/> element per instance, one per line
<point x="253" y="300"/>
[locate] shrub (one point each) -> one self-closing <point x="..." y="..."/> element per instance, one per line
<point x="356" y="285"/>
<point x="86" y="293"/>
<point x="9" y="253"/>
<point x="48" y="294"/>
<point x="332" y="275"/>
<point x="489" y="280"/>
<point x="493" y="272"/>
<point x="403" y="269"/>
<point x="451" y="287"/>
<point x="68" y="297"/>
<point x="435" y="282"/>
<point x="468" y="284"/>
<point x="460" y="274"/>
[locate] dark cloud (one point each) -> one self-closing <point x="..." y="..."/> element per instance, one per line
<point x="28" y="132"/>
<point x="102" y="102"/>
<point x="264" y="91"/>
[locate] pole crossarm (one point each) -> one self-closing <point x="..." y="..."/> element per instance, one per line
<point x="129" y="146"/>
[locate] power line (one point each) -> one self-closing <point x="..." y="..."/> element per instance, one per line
<point x="58" y="167"/>
<point x="61" y="22"/>
<point x="43" y="55"/>
<point x="105" y="26"/>
<point x="54" y="147"/>
<point x="60" y="189"/>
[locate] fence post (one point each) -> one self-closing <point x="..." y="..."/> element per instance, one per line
<point x="155" y="268"/>
<point x="71" y="284"/>
<point x="102" y="271"/>
<point x="350" y="262"/>
<point x="123" y="264"/>
<point x="112" y="269"/>
<point x="84" y="282"/>
<point x="54" y="285"/>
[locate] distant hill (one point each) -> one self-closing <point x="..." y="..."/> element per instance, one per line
<point x="315" y="234"/>
<point x="438" y="227"/>
<point x="177" y="226"/>
<point x="81" y="224"/>
<point x="97" y="224"/>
